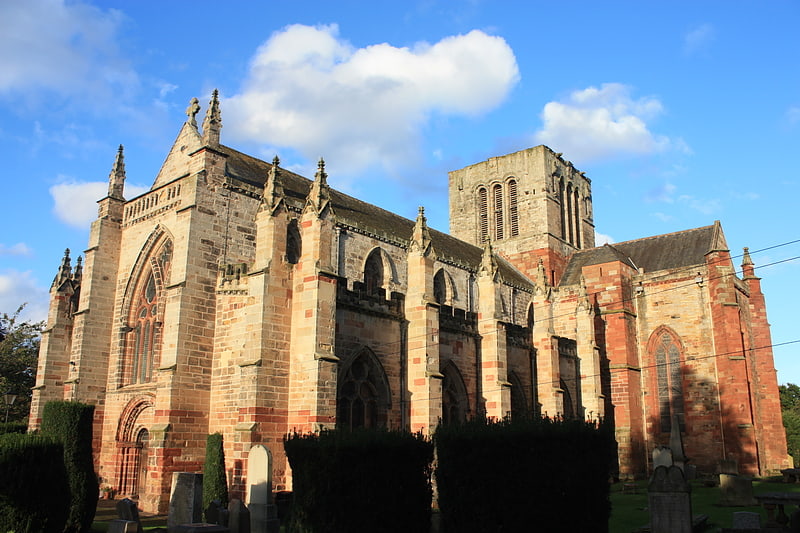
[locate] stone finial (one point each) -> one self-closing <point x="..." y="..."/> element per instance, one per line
<point x="748" y="267"/>
<point x="64" y="271"/>
<point x="116" y="179"/>
<point x="488" y="262"/>
<point x="541" y="275"/>
<point x="273" y="189"/>
<point x="421" y="235"/>
<point x="319" y="195"/>
<point x="212" y="124"/>
<point x="191" y="112"/>
<point x="78" y="273"/>
<point x="746" y="259"/>
<point x="583" y="294"/>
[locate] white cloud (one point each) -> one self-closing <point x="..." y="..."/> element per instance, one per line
<point x="75" y="202"/>
<point x="602" y="123"/>
<point x="17" y="288"/>
<point x="310" y="90"/>
<point x="698" y="38"/>
<point x="600" y="239"/>
<point x="68" y="49"/>
<point x="793" y="115"/>
<point x="20" y="249"/>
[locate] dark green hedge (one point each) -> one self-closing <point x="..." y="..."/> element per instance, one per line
<point x="33" y="483"/>
<point x="370" y="480"/>
<point x="516" y="476"/>
<point x="13" y="427"/>
<point x="215" y="482"/>
<point x="71" y="422"/>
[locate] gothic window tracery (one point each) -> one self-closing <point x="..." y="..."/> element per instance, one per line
<point x="363" y="395"/>
<point x="669" y="378"/>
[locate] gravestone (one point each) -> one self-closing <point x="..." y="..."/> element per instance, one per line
<point x="186" y="499"/>
<point x="127" y="511"/>
<point x="123" y="526"/>
<point x="669" y="497"/>
<point x="736" y="491"/>
<point x="662" y="456"/>
<point x="238" y="517"/>
<point x="746" y="520"/>
<point x="216" y="513"/>
<point x="263" y="514"/>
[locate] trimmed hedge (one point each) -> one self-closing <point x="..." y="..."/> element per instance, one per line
<point x="215" y="483"/>
<point x="515" y="475"/>
<point x="363" y="480"/>
<point x="13" y="427"/>
<point x="33" y="483"/>
<point x="71" y="423"/>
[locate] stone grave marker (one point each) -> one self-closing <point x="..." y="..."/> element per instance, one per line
<point x="263" y="513"/>
<point x="186" y="499"/>
<point x="736" y="491"/>
<point x="669" y="497"/>
<point x="746" y="520"/>
<point x="662" y="456"/>
<point x="127" y="511"/>
<point x="238" y="517"/>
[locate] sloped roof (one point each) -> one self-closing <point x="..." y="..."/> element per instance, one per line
<point x="366" y="217"/>
<point x="681" y="249"/>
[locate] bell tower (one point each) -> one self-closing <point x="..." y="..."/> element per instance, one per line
<point x="531" y="205"/>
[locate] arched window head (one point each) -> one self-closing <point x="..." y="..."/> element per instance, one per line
<point x="669" y="377"/>
<point x="373" y="274"/>
<point x="294" y="245"/>
<point x="455" y="403"/>
<point x="440" y="288"/>
<point x="363" y="394"/>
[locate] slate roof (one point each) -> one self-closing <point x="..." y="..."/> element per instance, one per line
<point x="681" y="249"/>
<point x="367" y="217"/>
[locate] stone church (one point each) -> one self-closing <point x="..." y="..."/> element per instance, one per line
<point x="239" y="297"/>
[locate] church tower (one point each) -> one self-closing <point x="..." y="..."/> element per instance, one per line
<point x="531" y="205"/>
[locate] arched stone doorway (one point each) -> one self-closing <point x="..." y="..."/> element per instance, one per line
<point x="133" y="444"/>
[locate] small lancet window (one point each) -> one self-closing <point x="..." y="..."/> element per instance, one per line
<point x="483" y="214"/>
<point x="513" y="212"/>
<point x="498" y="211"/>
<point x="294" y="245"/>
<point x="373" y="273"/>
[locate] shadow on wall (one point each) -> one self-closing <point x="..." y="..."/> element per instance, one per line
<point x="711" y="429"/>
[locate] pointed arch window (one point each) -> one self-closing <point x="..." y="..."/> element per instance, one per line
<point x="669" y="377"/>
<point x="294" y="246"/>
<point x="363" y="395"/>
<point x="513" y="212"/>
<point x="373" y="274"/>
<point x="439" y="288"/>
<point x="576" y="213"/>
<point x="519" y="404"/>
<point x="145" y="333"/>
<point x="483" y="214"/>
<point x="497" y="197"/>
<point x="562" y="197"/>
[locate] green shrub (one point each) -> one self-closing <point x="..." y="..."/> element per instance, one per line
<point x="215" y="483"/>
<point x="13" y="427"/>
<point x="33" y="484"/>
<point x="71" y="423"/>
<point x="510" y="475"/>
<point x="366" y="480"/>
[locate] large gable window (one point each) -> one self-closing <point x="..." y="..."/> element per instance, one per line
<point x="669" y="378"/>
<point x="363" y="395"/>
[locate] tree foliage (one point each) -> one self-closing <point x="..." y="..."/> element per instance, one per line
<point x="790" y="408"/>
<point x="19" y="351"/>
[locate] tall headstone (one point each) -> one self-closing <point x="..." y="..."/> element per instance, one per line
<point x="238" y="517"/>
<point x="263" y="513"/>
<point x="186" y="499"/>
<point x="662" y="456"/>
<point x="670" y="501"/>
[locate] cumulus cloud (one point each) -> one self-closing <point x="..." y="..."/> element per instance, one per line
<point x="601" y="238"/>
<point x="75" y="202"/>
<point x="311" y="90"/>
<point x="698" y="38"/>
<point x="68" y="49"/>
<point x="18" y="288"/>
<point x="602" y="123"/>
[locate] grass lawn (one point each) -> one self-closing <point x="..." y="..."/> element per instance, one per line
<point x="629" y="511"/>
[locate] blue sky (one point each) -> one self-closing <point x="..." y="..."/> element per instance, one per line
<point x="681" y="113"/>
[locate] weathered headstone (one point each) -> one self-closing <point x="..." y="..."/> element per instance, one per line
<point x="736" y="491"/>
<point x="216" y="514"/>
<point x="669" y="497"/>
<point x="746" y="520"/>
<point x="662" y="456"/>
<point x="129" y="512"/>
<point x="123" y="526"/>
<point x="186" y="499"/>
<point x="263" y="514"/>
<point x="238" y="517"/>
